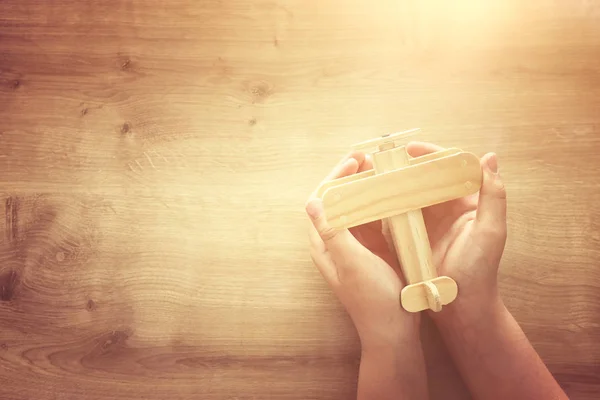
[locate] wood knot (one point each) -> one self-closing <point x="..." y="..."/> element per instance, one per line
<point x="125" y="128"/>
<point x="259" y="90"/>
<point x="90" y="305"/>
<point x="60" y="256"/>
<point x="114" y="340"/>
<point x="126" y="64"/>
<point x="84" y="111"/>
<point x="3" y="347"/>
<point x="8" y="284"/>
<point x="252" y="122"/>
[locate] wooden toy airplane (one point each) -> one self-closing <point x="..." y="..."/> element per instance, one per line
<point x="396" y="189"/>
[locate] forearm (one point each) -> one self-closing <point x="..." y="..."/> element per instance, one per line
<point x="396" y="372"/>
<point x="494" y="356"/>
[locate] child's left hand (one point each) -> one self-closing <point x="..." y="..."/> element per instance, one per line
<point x="361" y="268"/>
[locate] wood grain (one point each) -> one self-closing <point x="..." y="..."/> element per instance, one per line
<point x="155" y="159"/>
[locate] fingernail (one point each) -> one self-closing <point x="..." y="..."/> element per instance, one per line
<point x="492" y="163"/>
<point x="314" y="208"/>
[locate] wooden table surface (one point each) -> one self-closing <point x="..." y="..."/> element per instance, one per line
<point x="155" y="158"/>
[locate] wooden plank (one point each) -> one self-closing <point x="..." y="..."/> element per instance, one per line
<point x="201" y="282"/>
<point x="414" y="297"/>
<point x="397" y="192"/>
<point x="411" y="242"/>
<point x="407" y="229"/>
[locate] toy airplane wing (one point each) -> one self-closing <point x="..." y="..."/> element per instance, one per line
<point x="427" y="180"/>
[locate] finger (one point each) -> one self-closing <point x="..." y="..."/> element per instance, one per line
<point x="318" y="250"/>
<point x="491" y="209"/>
<point x="367" y="164"/>
<point x="321" y="257"/>
<point x="359" y="156"/>
<point x="417" y="149"/>
<point x="341" y="245"/>
<point x="346" y="166"/>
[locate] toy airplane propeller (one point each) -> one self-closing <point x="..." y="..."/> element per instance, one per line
<point x="396" y="189"/>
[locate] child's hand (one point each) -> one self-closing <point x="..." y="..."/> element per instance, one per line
<point x="487" y="344"/>
<point x="467" y="237"/>
<point x="362" y="270"/>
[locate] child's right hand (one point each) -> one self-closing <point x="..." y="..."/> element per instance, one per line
<point x="489" y="348"/>
<point x="467" y="237"/>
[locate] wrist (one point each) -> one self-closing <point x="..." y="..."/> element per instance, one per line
<point x="404" y="350"/>
<point x="467" y="312"/>
<point x="392" y="337"/>
<point x="391" y="369"/>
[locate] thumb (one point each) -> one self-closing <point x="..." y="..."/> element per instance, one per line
<point x="491" y="210"/>
<point x="340" y="243"/>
